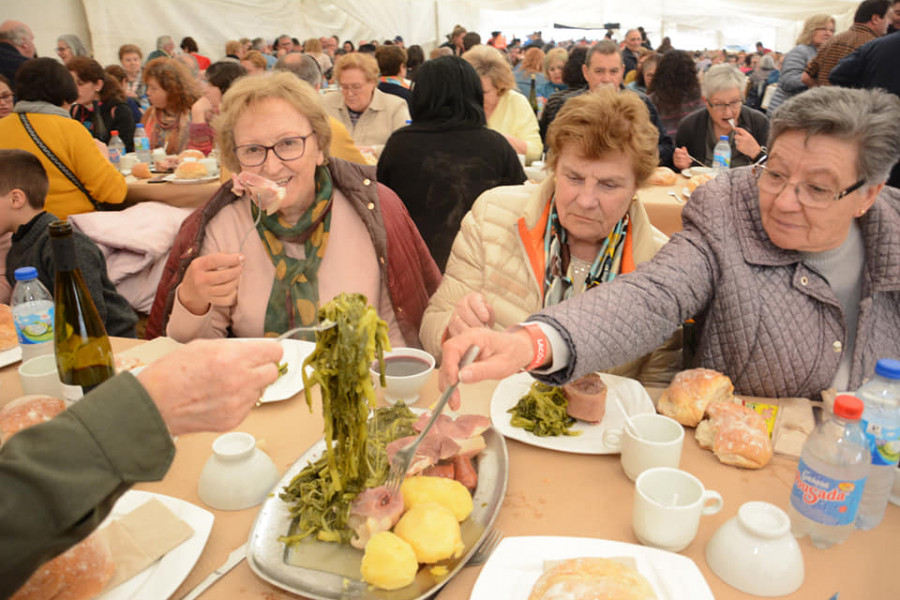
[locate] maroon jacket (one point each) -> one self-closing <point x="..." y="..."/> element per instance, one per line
<point x="405" y="262"/>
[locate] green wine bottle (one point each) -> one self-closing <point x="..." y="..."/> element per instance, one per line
<point x="532" y="94"/>
<point x="84" y="357"/>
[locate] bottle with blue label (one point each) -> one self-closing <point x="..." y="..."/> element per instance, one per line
<point x="722" y="154"/>
<point x="115" y="148"/>
<point x="32" y="309"/>
<point x="141" y="144"/>
<point x="881" y="422"/>
<point x="831" y="476"/>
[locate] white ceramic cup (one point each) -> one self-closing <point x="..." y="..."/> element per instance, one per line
<point x="668" y="504"/>
<point x="659" y="444"/>
<point x="127" y="161"/>
<point x="39" y="376"/>
<point x="404" y="387"/>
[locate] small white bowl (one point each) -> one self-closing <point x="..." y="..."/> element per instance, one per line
<point x="756" y="553"/>
<point x="238" y="475"/>
<point x="406" y="371"/>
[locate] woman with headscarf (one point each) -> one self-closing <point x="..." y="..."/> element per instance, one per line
<point x="332" y="229"/>
<point x="448" y="156"/>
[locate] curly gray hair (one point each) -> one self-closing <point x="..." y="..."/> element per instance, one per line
<point x="868" y="118"/>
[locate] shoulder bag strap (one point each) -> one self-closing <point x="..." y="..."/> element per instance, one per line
<point x="55" y="160"/>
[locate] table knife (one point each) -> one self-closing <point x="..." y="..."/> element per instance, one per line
<point x="236" y="556"/>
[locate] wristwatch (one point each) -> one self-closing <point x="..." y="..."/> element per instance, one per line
<point x="763" y="152"/>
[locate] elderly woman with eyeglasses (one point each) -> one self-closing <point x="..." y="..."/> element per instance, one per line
<point x="724" y="114"/>
<point x="791" y="268"/>
<point x="370" y="115"/>
<point x="7" y="98"/>
<point x="326" y="227"/>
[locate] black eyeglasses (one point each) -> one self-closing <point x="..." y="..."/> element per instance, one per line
<point x="6" y="97"/>
<point x="253" y="155"/>
<point x="809" y="194"/>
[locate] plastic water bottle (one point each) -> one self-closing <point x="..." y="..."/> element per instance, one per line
<point x="881" y="421"/>
<point x="722" y="154"/>
<point x="116" y="148"/>
<point x="32" y="309"/>
<point x="141" y="144"/>
<point x="831" y="476"/>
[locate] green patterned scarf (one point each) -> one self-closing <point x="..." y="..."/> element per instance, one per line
<point x="294" y="299"/>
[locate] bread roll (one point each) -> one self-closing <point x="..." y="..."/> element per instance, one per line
<point x="191" y="153"/>
<point x="8" y="337"/>
<point x="691" y="391"/>
<point x="79" y="573"/>
<point x="591" y="579"/>
<point x="736" y="434"/>
<point x="663" y="176"/>
<point x="141" y="171"/>
<point x="27" y="411"/>
<point x="191" y="170"/>
<point x="586" y="398"/>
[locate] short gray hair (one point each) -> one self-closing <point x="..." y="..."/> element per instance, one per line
<point x="868" y="118"/>
<point x="607" y="47"/>
<point x="71" y="40"/>
<point x="193" y="66"/>
<point x="303" y="66"/>
<point x="16" y="34"/>
<point x="162" y="40"/>
<point x="721" y="78"/>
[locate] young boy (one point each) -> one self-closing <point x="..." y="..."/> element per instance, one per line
<point x="23" y="187"/>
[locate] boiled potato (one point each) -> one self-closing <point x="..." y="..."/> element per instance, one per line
<point x="449" y="493"/>
<point x="433" y="532"/>
<point x="389" y="562"/>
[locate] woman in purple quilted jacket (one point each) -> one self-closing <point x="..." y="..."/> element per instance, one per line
<point x="790" y="267"/>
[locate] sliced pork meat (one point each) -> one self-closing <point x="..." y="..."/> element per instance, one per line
<point x="373" y="511"/>
<point x="586" y="398"/>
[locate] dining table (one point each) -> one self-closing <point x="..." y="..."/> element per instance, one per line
<point x="182" y="195"/>
<point x="549" y="493"/>
<point x="664" y="204"/>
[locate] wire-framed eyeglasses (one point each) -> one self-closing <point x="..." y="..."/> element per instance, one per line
<point x="290" y="148"/>
<point x="809" y="194"/>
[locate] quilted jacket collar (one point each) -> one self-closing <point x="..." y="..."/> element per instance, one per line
<point x="880" y="228"/>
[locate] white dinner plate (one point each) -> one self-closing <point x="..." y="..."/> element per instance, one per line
<point x="172" y="179"/>
<point x="291" y="383"/>
<point x="518" y="562"/>
<point x="631" y="393"/>
<point x="8" y="357"/>
<point x="162" y="578"/>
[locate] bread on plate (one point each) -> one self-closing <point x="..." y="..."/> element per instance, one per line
<point x="691" y="391"/>
<point x="191" y="169"/>
<point x="736" y="434"/>
<point x="79" y="573"/>
<point x="663" y="176"/>
<point x="591" y="579"/>
<point x="8" y="337"/>
<point x="141" y="170"/>
<point x="27" y="411"/>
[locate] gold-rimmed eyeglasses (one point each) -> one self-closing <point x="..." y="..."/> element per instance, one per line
<point x="809" y="194"/>
<point x="290" y="148"/>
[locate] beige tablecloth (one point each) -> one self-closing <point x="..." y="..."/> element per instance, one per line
<point x="549" y="493"/>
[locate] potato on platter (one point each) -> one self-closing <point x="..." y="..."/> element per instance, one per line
<point x="389" y="562"/>
<point x="433" y="532"/>
<point x="449" y="493"/>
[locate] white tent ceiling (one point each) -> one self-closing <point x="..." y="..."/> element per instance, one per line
<point x="106" y="24"/>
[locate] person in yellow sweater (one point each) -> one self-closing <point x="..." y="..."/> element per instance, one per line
<point x="45" y="89"/>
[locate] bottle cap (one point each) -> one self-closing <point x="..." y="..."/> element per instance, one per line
<point x="139" y="126"/>
<point x="723" y="138"/>
<point x="114" y="132"/>
<point x="26" y="273"/>
<point x="888" y="367"/>
<point x="848" y="407"/>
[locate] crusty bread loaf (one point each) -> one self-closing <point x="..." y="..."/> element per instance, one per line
<point x="27" y="411"/>
<point x="736" y="434"/>
<point x="79" y="573"/>
<point x="191" y="169"/>
<point x="8" y="336"/>
<point x="698" y="180"/>
<point x="591" y="579"/>
<point x="191" y="153"/>
<point x="691" y="391"/>
<point x="141" y="171"/>
<point x="663" y="176"/>
<point x="586" y="398"/>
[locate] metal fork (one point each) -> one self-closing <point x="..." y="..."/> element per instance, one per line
<point x="321" y="326"/>
<point x="404" y="456"/>
<point x="487" y="547"/>
<point x="259" y="212"/>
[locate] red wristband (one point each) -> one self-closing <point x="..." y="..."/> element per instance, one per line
<point x="539" y="343"/>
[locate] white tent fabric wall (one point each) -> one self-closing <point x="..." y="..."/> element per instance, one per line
<point x="106" y="24"/>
